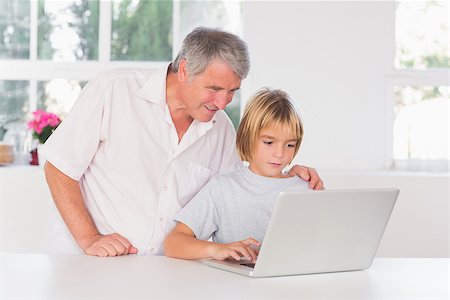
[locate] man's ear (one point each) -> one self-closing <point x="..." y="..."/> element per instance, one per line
<point x="182" y="72"/>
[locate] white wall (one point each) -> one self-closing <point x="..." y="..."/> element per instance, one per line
<point x="25" y="209"/>
<point x="332" y="57"/>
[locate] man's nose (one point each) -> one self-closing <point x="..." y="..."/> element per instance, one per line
<point x="222" y="100"/>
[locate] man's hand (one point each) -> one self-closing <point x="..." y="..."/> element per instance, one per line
<point x="107" y="245"/>
<point x="307" y="174"/>
<point x="236" y="250"/>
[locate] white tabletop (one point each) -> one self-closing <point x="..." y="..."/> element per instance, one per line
<point x="39" y="276"/>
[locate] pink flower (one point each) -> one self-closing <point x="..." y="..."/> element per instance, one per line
<point x="43" y="124"/>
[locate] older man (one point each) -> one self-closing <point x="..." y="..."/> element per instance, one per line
<point x="139" y="144"/>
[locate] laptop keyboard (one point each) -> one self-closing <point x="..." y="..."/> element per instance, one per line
<point x="242" y="262"/>
<point x="250" y="265"/>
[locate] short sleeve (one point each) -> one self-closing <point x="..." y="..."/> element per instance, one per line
<point x="200" y="214"/>
<point x="74" y="143"/>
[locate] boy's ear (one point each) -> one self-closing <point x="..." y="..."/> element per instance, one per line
<point x="182" y="72"/>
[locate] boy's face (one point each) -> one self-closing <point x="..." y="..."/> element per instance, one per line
<point x="275" y="149"/>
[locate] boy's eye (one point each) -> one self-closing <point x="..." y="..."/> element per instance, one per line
<point x="267" y="142"/>
<point x="291" y="145"/>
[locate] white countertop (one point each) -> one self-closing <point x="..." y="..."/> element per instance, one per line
<point x="40" y="276"/>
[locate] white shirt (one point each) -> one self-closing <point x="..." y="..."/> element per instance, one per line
<point x="120" y="143"/>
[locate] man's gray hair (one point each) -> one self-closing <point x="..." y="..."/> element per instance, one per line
<point x="203" y="45"/>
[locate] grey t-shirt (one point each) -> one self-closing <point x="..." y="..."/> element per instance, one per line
<point x="235" y="206"/>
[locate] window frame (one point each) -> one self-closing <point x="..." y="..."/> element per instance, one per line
<point x="31" y="69"/>
<point x="410" y="77"/>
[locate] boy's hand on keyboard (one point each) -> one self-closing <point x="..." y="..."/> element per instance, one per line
<point x="240" y="250"/>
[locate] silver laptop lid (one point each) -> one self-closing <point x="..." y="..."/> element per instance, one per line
<point x="324" y="231"/>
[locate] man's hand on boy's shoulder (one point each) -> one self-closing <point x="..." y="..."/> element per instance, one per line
<point x="237" y="250"/>
<point x="308" y="174"/>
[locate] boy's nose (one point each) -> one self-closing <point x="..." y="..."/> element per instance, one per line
<point x="279" y="152"/>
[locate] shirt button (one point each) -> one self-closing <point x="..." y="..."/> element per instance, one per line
<point x="161" y="219"/>
<point x="152" y="249"/>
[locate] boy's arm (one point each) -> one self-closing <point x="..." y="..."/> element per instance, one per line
<point x="182" y="243"/>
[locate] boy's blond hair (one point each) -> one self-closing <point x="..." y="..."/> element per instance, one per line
<point x="267" y="108"/>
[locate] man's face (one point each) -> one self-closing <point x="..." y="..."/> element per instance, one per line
<point x="206" y="93"/>
<point x="274" y="150"/>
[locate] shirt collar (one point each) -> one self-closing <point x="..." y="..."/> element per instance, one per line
<point x="203" y="127"/>
<point x="154" y="89"/>
<point x="195" y="131"/>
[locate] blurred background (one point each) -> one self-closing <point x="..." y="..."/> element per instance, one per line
<point x="380" y="69"/>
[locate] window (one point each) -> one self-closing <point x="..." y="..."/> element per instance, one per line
<point x="14" y="29"/>
<point x="50" y="49"/>
<point x="419" y="87"/>
<point x="141" y="30"/>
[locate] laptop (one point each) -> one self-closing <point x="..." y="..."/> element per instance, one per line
<point x="319" y="232"/>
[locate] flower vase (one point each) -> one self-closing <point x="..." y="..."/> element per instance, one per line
<point x="41" y="158"/>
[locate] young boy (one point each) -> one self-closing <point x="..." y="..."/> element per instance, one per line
<point x="235" y="208"/>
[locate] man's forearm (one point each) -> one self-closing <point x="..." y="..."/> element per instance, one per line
<point x="67" y="196"/>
